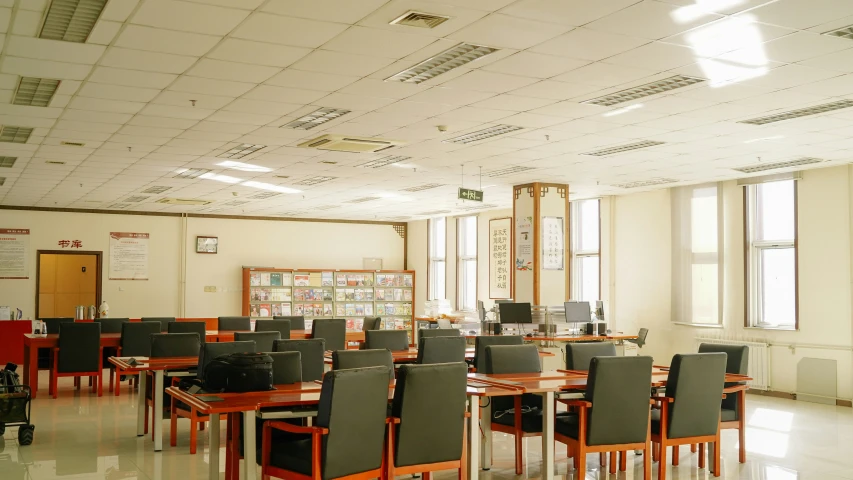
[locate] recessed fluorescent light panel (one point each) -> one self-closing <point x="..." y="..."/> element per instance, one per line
<point x="802" y="112"/>
<point x="156" y="189"/>
<point x="846" y="32"/>
<point x="384" y="161"/>
<point x="647" y="90"/>
<point x="15" y="134"/>
<point x="136" y="198"/>
<point x="435" y="212"/>
<point x="119" y="206"/>
<point x="220" y="178"/>
<point x="484" y="134"/>
<point x="71" y="20"/>
<point x="508" y="171"/>
<point x="235" y="203"/>
<point x="54" y="162"/>
<point x="476" y="207"/>
<point x="442" y="63"/>
<point x="418" y="188"/>
<point x="363" y="199"/>
<point x="243" y="167"/>
<point x="623" y="148"/>
<point x="419" y="19"/>
<point x="263" y="195"/>
<point x="8" y="162"/>
<point x="645" y="183"/>
<point x="35" y="92"/>
<point x="191" y="172"/>
<point x="314" y="180"/>
<point x="241" y="151"/>
<point x="764" y="139"/>
<point x="762" y="167"/>
<point x="620" y="111"/>
<point x="326" y="207"/>
<point x="316" y="118"/>
<point x="270" y="187"/>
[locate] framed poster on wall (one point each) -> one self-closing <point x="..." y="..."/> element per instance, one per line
<point x="552" y="243"/>
<point x="500" y="263"/>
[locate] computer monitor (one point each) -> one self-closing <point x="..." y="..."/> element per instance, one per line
<point x="577" y="312"/>
<point x="508" y="300"/>
<point x="515" y="313"/>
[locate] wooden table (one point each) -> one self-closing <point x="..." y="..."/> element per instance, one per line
<point x="411" y="355"/>
<point x="568" y="338"/>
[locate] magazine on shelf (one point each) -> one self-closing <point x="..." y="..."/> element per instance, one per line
<point x="298" y="310"/>
<point x="298" y="294"/>
<point x="359" y="294"/>
<point x="286" y="279"/>
<point x="368" y="309"/>
<point x="327" y="310"/>
<point x="327" y="295"/>
<point x="255" y="279"/>
<point x="276" y="309"/>
<point x="275" y="279"/>
<point x="340" y="310"/>
<point x="340" y="295"/>
<point x="368" y="294"/>
<point x="254" y="311"/>
<point x="359" y="309"/>
<point x="380" y="294"/>
<point x="341" y="280"/>
<point x="318" y="309"/>
<point x="264" y="310"/>
<point x="350" y="294"/>
<point x="302" y="280"/>
<point x="327" y="280"/>
<point x="407" y="295"/>
<point x="351" y="281"/>
<point x="407" y="280"/>
<point x="265" y="279"/>
<point x="398" y="295"/>
<point x="350" y="309"/>
<point x="285" y="309"/>
<point x="389" y="309"/>
<point x="380" y="309"/>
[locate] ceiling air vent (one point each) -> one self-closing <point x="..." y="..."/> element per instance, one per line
<point x="2" y="181"/>
<point x="235" y="203"/>
<point x="136" y="199"/>
<point x="642" y="91"/>
<point x="645" y="183"/>
<point x="316" y="118"/>
<point x="623" y="148"/>
<point x="802" y="112"/>
<point x="384" y="161"/>
<point x="508" y="171"/>
<point x="418" y="188"/>
<point x="763" y="167"/>
<point x="314" y="180"/>
<point x="35" y="92"/>
<point x="846" y="32"/>
<point x="183" y="201"/>
<point x="72" y="144"/>
<point x="8" y="162"/>
<point x="156" y="189"/>
<point x="341" y="143"/>
<point x="442" y="63"/>
<point x="192" y="172"/>
<point x="54" y="162"/>
<point x="263" y="195"/>
<point x="484" y="134"/>
<point x="119" y="206"/>
<point x="363" y="199"/>
<point x="419" y="19"/>
<point x="71" y="20"/>
<point x="241" y="150"/>
<point x="15" y="134"/>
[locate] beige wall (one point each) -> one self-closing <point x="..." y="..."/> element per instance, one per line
<point x="178" y="275"/>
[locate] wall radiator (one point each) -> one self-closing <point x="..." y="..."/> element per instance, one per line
<point x="759" y="360"/>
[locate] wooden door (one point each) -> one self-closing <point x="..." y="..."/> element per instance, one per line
<point x="66" y="280"/>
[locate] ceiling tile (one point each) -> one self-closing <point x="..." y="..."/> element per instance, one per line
<point x="341" y="11"/>
<point x="838" y="62"/>
<point x="602" y="74"/>
<point x="377" y="42"/>
<point x="450" y="96"/>
<point x="548" y="89"/>
<point x="505" y="31"/>
<point x="589" y="44"/>
<point x="537" y="65"/>
<point x="355" y="102"/>
<point x="184" y="99"/>
<point x="244" y="4"/>
<point x="100" y="105"/>
<point x="188" y="17"/>
<point x="118" y="10"/>
<point x="262" y="107"/>
<point x="458" y="16"/>
<point x="483" y="81"/>
<point x="284" y="94"/>
<point x="417" y="108"/>
<point x="166" y="41"/>
<point x="131" y="78"/>
<point x="258" y="53"/>
<point x="164" y="122"/>
<point x="324" y="61"/>
<point x="117" y="92"/>
<point x="211" y="87"/>
<point x="803" y="14"/>
<point x="655" y="56"/>
<point x="243" y="118"/>
<point x="515" y="103"/>
<point x="189" y="113"/>
<point x="44" y="69"/>
<point x="569" y="12"/>
<point x="650" y="19"/>
<point x="148" y="61"/>
<point x="323" y="82"/>
<point x="297" y="32"/>
<point x="238" y="72"/>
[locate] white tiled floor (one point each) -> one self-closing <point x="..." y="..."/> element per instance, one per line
<point x="83" y="437"/>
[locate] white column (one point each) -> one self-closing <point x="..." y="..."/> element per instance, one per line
<point x="474" y="437"/>
<point x="213" y="444"/>
<point x="548" y="435"/>
<point x="157" y="415"/>
<point x="140" y="405"/>
<point x="250" y="467"/>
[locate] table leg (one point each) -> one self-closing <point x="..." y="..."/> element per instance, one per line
<point x="250" y="467"/>
<point x="157" y="414"/>
<point x="213" y="444"/>
<point x="486" y="444"/>
<point x="141" y="406"/>
<point x="474" y="437"/>
<point x="31" y="369"/>
<point x="548" y="407"/>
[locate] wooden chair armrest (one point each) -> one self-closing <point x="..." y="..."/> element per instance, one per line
<point x="297" y="428"/>
<point x="736" y="388"/>
<point x="578" y="403"/>
<point x="467" y="414"/>
<point x="392" y="420"/>
<point x="662" y="399"/>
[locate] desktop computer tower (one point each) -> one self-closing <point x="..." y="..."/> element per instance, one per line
<point x="601" y="328"/>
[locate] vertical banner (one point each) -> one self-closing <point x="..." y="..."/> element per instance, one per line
<point x="14" y="253"/>
<point x="128" y="256"/>
<point x="500" y="250"/>
<point x="524" y="243"/>
<point x="552" y="243"/>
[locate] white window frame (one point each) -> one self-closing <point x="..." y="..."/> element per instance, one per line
<point x="437" y="286"/>
<point x="463" y="283"/>
<point x="754" y="248"/>
<point x="577" y="254"/>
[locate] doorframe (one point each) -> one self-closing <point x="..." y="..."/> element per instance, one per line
<point x="98" y="278"/>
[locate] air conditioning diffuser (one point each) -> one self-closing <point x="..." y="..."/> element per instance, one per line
<point x="183" y="201"/>
<point x="342" y="143"/>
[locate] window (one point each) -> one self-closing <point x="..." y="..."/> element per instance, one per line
<point x="437" y="261"/>
<point x="697" y="255"/>
<point x="586" y="250"/>
<point x="771" y="243"/>
<point x="467" y="263"/>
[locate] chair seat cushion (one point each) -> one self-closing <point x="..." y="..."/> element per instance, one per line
<point x="727" y="415"/>
<point x="567" y="425"/>
<point x="294" y="455"/>
<point x="655" y="418"/>
<point x="531" y="422"/>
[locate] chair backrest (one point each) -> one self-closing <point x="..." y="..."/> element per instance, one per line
<point x="394" y="340"/>
<point x="439" y="332"/>
<point x="280" y="326"/>
<point x="695" y="381"/>
<point x="234" y="323"/>
<point x="347" y="359"/>
<point x="296" y="322"/>
<point x="481" y="342"/>
<point x="163" y="321"/>
<point x="619" y="389"/>
<point x="371" y="323"/>
<point x="211" y="350"/>
<point x="441" y="350"/>
<point x="52" y="324"/>
<point x="444" y="323"/>
<point x="332" y="330"/>
<point x="111" y="325"/>
<point x="198" y="328"/>
<point x="136" y="338"/>
<point x="512" y="359"/>
<point x="353" y="406"/>
<point x="175" y="345"/>
<point x="263" y="340"/>
<point x="312" y="351"/>
<point x="578" y="355"/>
<point x="286" y="367"/>
<point x="641" y="336"/>
<point x="79" y="347"/>
<point x="737" y="361"/>
<point x="430" y="402"/>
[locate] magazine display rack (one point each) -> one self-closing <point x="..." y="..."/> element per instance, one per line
<point x="349" y="294"/>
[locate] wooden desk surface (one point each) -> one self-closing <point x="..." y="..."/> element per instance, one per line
<point x="153" y="364"/>
<point x="567" y="339"/>
<point x="567" y="380"/>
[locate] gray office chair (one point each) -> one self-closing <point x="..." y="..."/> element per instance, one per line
<point x="441" y="350"/>
<point x="371" y="323"/>
<point x="439" y="332"/>
<point x="199" y="328"/>
<point x="394" y="340"/>
<point x="263" y="340"/>
<point x="737" y="361"/>
<point x="163" y="321"/>
<point x="578" y="355"/>
<point x="297" y="322"/>
<point x="234" y="323"/>
<point x="481" y="342"/>
<point x="333" y="330"/>
<point x="347" y="359"/>
<point x="280" y="326"/>
<point x="135" y="342"/>
<point x="641" y="338"/>
<point x="312" y="355"/>
<point x="111" y="325"/>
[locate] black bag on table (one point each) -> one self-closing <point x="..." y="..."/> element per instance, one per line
<point x="238" y="373"/>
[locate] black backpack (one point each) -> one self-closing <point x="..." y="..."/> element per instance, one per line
<point x="9" y="378"/>
<point x="238" y="373"/>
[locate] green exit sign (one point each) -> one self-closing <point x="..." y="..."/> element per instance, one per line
<point x="468" y="194"/>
